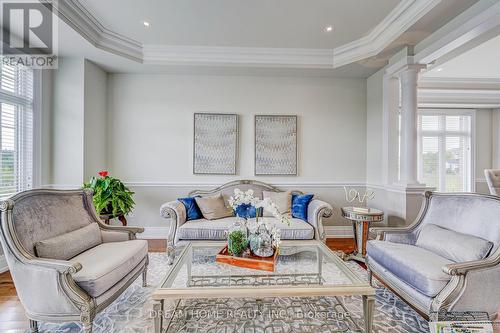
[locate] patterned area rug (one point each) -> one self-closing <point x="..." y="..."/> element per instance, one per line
<point x="131" y="312"/>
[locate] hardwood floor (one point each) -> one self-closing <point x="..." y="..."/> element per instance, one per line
<point x="13" y="319"/>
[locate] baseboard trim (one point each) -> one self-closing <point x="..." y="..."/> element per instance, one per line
<point x="3" y="264"/>
<point x="154" y="233"/>
<point x="341" y="231"/>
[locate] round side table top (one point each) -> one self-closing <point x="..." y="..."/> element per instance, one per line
<point x="364" y="214"/>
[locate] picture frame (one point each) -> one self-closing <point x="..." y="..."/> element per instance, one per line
<point x="275" y="145"/>
<point x="215" y="143"/>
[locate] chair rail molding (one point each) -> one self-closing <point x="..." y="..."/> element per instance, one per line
<point x="408" y="12"/>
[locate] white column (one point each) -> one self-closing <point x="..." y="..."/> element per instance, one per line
<point x="409" y="125"/>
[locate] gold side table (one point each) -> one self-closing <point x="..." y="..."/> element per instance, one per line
<point x="361" y="219"/>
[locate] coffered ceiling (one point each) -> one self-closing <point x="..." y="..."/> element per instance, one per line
<point x="324" y="37"/>
<point x="242" y="23"/>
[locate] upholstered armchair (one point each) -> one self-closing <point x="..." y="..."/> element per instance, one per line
<point x="182" y="230"/>
<point x="493" y="180"/>
<point x="65" y="263"/>
<point x="447" y="259"/>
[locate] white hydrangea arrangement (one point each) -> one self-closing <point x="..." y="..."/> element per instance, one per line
<point x="255" y="226"/>
<point x="247" y="198"/>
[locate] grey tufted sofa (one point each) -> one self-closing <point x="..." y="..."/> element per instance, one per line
<point x="76" y="289"/>
<point x="429" y="279"/>
<point x="196" y="230"/>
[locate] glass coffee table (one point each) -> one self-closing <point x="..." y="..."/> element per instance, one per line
<point x="304" y="269"/>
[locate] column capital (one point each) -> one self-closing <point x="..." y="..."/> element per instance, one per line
<point x="409" y="68"/>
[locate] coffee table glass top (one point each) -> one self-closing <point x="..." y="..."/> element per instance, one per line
<point x="302" y="268"/>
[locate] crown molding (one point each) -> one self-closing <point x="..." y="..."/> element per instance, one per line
<point x="84" y="23"/>
<point x="397" y="22"/>
<point x="237" y="56"/>
<point x="454" y="97"/>
<point x="407" y="13"/>
<point x="459" y="83"/>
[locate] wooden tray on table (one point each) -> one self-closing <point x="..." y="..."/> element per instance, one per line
<point x="248" y="260"/>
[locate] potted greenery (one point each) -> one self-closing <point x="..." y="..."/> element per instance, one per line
<point x="111" y="197"/>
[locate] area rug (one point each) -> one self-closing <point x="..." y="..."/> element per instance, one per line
<point x="131" y="312"/>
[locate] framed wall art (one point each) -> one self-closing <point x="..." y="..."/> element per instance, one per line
<point x="215" y="143"/>
<point x="275" y="145"/>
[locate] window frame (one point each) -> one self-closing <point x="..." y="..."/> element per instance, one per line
<point x="36" y="107"/>
<point x="451" y="112"/>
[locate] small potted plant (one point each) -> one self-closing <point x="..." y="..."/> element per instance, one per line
<point x="111" y="197"/>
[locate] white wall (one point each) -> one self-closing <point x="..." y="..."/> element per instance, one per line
<point x="150" y="131"/>
<point x="67" y="122"/>
<point x="374" y="128"/>
<point x="95" y="118"/>
<point x="77" y="122"/>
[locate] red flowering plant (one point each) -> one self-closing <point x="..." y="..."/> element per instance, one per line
<point x="111" y="196"/>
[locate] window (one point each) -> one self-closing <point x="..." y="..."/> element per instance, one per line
<point x="16" y="129"/>
<point x="444" y="145"/>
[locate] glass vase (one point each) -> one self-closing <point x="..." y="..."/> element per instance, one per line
<point x="262" y="244"/>
<point x="237" y="238"/>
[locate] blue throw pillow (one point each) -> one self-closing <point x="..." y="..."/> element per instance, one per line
<point x="245" y="211"/>
<point x="300" y="204"/>
<point x="193" y="212"/>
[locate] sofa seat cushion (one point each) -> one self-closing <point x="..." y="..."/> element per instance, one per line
<point x="203" y="229"/>
<point x="297" y="230"/>
<point x="106" y="264"/>
<point x="416" y="266"/>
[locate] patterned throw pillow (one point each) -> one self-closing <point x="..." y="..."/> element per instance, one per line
<point x="300" y="202"/>
<point x="192" y="210"/>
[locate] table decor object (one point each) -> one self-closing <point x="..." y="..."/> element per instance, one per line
<point x="111" y="198"/>
<point x="249" y="260"/>
<point x="237" y="242"/>
<point x="254" y="236"/>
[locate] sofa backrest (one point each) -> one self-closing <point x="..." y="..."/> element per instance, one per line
<point x="468" y="213"/>
<point x="41" y="214"/>
<point x="227" y="190"/>
<point x="493" y="180"/>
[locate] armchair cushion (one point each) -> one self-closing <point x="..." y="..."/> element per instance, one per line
<point x="68" y="245"/>
<point x="453" y="245"/>
<point x="416" y="266"/>
<point x="98" y="275"/>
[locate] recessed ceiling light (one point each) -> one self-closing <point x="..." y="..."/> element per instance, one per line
<point x="439" y="69"/>
<point x="329" y="28"/>
<point x="146" y="24"/>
